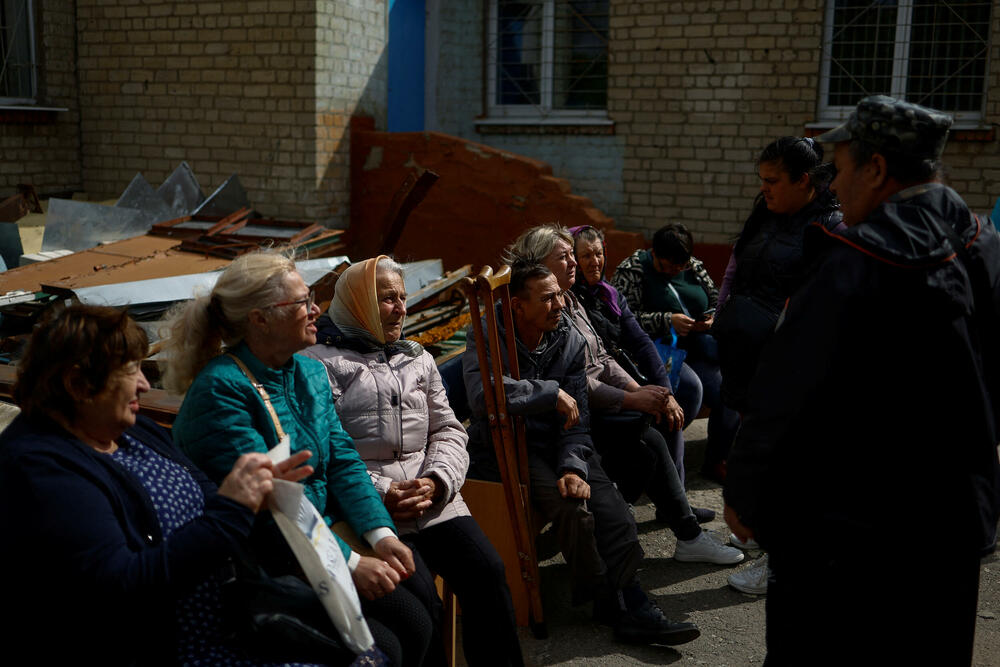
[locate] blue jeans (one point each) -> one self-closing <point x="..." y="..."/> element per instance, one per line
<point x="700" y="385"/>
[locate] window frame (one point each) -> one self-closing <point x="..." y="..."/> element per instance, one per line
<point x="29" y="6"/>
<point x="532" y="114"/>
<point x="828" y="114"/>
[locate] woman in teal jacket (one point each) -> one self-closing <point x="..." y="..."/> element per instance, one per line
<point x="261" y="313"/>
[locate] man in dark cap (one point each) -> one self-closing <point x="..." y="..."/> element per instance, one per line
<point x="872" y="416"/>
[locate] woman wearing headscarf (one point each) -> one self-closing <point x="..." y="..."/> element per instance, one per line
<point x="390" y="399"/>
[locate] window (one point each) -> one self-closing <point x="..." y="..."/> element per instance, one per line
<point x="547" y="60"/>
<point x="932" y="52"/>
<point x="17" y="52"/>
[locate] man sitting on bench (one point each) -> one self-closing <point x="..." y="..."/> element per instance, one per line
<point x="596" y="532"/>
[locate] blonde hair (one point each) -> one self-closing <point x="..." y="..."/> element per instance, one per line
<point x="535" y="245"/>
<point x="201" y="329"/>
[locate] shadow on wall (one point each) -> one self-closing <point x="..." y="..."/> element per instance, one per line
<point x="333" y="145"/>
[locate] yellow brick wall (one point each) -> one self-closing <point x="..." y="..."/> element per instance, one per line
<point x="45" y="153"/>
<point x="228" y="87"/>
<point x="699" y="88"/>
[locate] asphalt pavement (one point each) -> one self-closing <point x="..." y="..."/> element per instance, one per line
<point x="731" y="623"/>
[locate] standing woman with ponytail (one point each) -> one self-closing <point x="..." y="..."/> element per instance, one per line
<point x="769" y="262"/>
<point x="769" y="259"/>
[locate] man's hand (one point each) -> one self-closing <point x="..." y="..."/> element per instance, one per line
<point x="409" y="499"/>
<point x="566" y="406"/>
<point x="739" y="530"/>
<point x="682" y="323"/>
<point x="572" y="485"/>
<point x="396" y="555"/>
<point x="374" y="578"/>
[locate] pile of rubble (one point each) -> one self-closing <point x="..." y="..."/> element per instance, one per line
<point x="153" y="248"/>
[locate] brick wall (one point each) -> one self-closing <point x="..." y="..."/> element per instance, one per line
<point x="700" y="90"/>
<point x="43" y="149"/>
<point x="261" y="88"/>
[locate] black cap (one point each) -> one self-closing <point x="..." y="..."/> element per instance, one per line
<point x="892" y="126"/>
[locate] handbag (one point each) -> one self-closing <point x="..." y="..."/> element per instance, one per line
<point x="673" y="357"/>
<point x="278" y="618"/>
<point x="627" y="364"/>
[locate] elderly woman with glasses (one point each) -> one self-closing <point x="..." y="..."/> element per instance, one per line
<point x="389" y="395"/>
<point x="228" y="350"/>
<point x="671" y="294"/>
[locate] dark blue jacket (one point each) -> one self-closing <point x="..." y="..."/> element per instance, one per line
<point x="558" y="363"/>
<point x="89" y="574"/>
<point x="879" y="389"/>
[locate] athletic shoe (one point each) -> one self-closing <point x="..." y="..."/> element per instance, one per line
<point x="740" y="544"/>
<point x="704" y="549"/>
<point x="648" y="625"/>
<point x="752" y="580"/>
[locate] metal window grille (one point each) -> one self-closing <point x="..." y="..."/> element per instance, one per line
<point x="17" y="51"/>
<point x="548" y="56"/>
<point x="932" y="52"/>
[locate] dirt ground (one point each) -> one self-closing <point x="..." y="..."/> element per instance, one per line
<point x="732" y="623"/>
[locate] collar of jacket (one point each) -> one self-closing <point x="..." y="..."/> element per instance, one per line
<point x="329" y="333"/>
<point x="552" y="342"/>
<point x="905" y="229"/>
<point x="267" y="376"/>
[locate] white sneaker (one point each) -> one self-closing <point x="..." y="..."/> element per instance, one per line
<point x="752" y="580"/>
<point x="704" y="549"/>
<point x="739" y="544"/>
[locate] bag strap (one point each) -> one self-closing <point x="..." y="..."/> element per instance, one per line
<point x="263" y="394"/>
<point x="673" y="290"/>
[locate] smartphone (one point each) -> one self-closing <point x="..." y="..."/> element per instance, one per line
<point x="707" y="314"/>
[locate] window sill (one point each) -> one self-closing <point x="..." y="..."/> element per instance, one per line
<point x="28" y="114"/>
<point x="960" y="131"/>
<point x="536" y="125"/>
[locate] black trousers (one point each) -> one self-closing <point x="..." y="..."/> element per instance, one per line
<point x="401" y="626"/>
<point x="460" y="553"/>
<point x="597" y="536"/>
<point x="641" y="462"/>
<point x="858" y="606"/>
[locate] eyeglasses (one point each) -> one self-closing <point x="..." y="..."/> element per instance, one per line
<point x="308" y="301"/>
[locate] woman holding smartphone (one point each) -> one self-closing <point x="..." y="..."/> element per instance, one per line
<point x="673" y="296"/>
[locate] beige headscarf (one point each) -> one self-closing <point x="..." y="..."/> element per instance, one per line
<point x="355" y="299"/>
<point x="354" y="310"/>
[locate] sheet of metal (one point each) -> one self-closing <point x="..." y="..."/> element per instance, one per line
<point x="78" y="225"/>
<point x="417" y="275"/>
<point x="10" y="244"/>
<point x="228" y="197"/>
<point x="181" y="191"/>
<point x="183" y="287"/>
<point x="438" y="287"/>
<point x="141" y="196"/>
